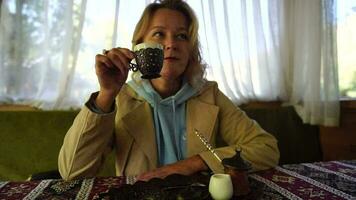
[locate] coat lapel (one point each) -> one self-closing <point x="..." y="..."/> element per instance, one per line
<point x="140" y="125"/>
<point x="200" y="116"/>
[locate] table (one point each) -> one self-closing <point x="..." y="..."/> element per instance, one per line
<point x="319" y="180"/>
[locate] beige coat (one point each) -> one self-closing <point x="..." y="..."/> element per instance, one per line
<point x="130" y="130"/>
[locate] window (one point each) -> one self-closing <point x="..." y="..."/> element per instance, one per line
<point x="346" y="39"/>
<point x="44" y="42"/>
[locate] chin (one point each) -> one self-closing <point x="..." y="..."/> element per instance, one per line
<point x="169" y="75"/>
<point x="171" y="72"/>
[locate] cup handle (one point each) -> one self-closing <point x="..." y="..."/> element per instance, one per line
<point x="133" y="67"/>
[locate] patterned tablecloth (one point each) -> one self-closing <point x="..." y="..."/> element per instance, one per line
<point x="321" y="180"/>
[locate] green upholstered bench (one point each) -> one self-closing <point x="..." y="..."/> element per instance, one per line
<point x="30" y="140"/>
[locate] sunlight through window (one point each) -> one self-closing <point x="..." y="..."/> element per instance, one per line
<point x="346" y="38"/>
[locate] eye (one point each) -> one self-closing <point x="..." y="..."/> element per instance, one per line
<point x="158" y="34"/>
<point x="182" y="36"/>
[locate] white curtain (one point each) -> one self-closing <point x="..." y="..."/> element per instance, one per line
<point x="274" y="50"/>
<point x="48" y="48"/>
<point x="313" y="61"/>
<point x="243" y="45"/>
<point x="255" y="49"/>
<point x="40" y="41"/>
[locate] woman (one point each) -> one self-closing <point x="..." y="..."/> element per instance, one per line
<point x="151" y="123"/>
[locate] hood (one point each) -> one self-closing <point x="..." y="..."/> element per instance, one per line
<point x="146" y="91"/>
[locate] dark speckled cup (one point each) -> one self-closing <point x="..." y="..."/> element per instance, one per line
<point x="149" y="60"/>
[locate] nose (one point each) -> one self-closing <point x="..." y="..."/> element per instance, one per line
<point x="170" y="44"/>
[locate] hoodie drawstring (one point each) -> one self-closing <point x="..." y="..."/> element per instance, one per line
<point x="175" y="139"/>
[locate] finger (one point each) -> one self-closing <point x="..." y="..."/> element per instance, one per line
<point x="120" y="60"/>
<point x="104" y="65"/>
<point x="126" y="52"/>
<point x="126" y="55"/>
<point x="145" y="177"/>
<point x="129" y="54"/>
<point x="156" y="173"/>
<point x="104" y="52"/>
<point x="103" y="59"/>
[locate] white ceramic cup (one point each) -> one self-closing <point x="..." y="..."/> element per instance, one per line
<point x="220" y="186"/>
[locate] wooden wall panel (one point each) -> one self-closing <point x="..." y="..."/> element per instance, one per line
<point x="339" y="143"/>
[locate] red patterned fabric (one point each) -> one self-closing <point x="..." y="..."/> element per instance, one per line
<point x="322" y="180"/>
<point x="59" y="189"/>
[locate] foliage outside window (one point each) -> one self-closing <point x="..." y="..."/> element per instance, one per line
<point x="347" y="48"/>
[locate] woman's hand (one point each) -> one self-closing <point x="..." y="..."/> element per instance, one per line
<point x="112" y="71"/>
<point x="185" y="167"/>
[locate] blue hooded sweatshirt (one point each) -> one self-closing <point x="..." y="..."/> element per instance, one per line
<point x="169" y="118"/>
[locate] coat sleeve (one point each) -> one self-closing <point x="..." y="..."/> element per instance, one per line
<point x="237" y="130"/>
<point x="85" y="145"/>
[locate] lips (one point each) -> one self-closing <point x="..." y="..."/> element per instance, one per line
<point x="170" y="58"/>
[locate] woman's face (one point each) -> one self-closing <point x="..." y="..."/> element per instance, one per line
<point x="170" y="28"/>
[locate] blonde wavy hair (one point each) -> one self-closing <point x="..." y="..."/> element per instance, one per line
<point x="195" y="71"/>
